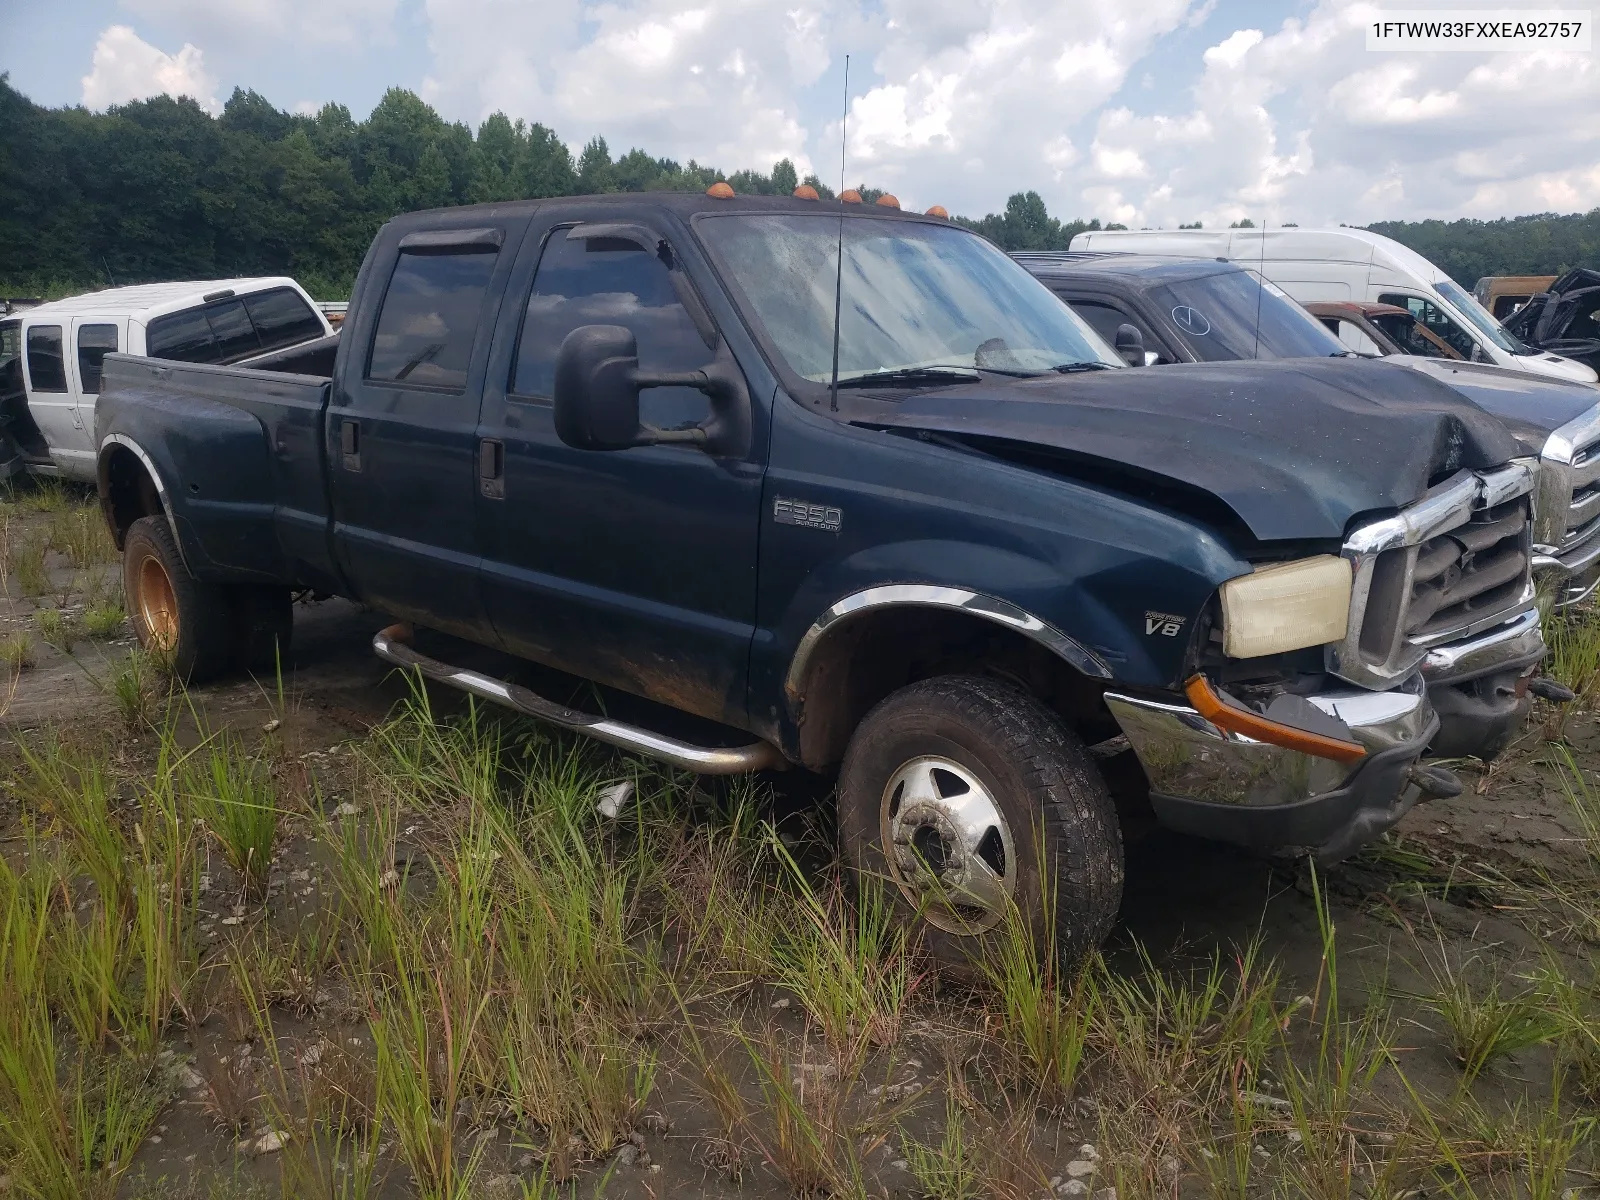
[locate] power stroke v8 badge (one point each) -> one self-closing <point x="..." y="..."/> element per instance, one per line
<point x="808" y="516"/>
<point x="1162" y="624"/>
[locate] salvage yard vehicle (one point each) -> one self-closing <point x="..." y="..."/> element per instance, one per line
<point x="1502" y="295"/>
<point x="1566" y="318"/>
<point x="1353" y="264"/>
<point x="1164" y="310"/>
<point x="47" y="399"/>
<point x="895" y="514"/>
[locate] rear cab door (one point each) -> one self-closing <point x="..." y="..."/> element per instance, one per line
<point x="401" y="431"/>
<point x="52" y="399"/>
<point x="92" y="339"/>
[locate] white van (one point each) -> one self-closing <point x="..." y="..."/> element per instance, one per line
<point x="1352" y="264"/>
<point x="50" y="356"/>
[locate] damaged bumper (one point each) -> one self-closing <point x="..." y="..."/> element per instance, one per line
<point x="1210" y="782"/>
<point x="1479" y="686"/>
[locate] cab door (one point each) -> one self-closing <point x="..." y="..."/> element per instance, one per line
<point x="51" y="400"/>
<point x="92" y="339"/>
<point x="635" y="568"/>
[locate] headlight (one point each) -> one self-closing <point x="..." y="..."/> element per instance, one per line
<point x="1286" y="607"/>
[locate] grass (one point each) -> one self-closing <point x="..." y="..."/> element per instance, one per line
<point x="17" y="653"/>
<point x="103" y="621"/>
<point x="233" y="793"/>
<point x="27" y="555"/>
<point x="56" y="628"/>
<point x="489" y="970"/>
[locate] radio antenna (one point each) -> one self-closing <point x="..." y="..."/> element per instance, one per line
<point x="838" y="274"/>
<point x="1261" y="285"/>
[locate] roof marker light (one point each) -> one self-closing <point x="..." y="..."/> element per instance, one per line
<point x="940" y="211"/>
<point x="850" y="197"/>
<point x="806" y="192"/>
<point x="720" y="190"/>
<point x="888" y="201"/>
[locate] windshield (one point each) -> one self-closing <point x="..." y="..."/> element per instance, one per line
<point x="1232" y="315"/>
<point x="931" y="302"/>
<point x="1474" y="312"/>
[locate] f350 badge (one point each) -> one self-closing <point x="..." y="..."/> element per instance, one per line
<point x="1164" y="624"/>
<point x="808" y="516"/>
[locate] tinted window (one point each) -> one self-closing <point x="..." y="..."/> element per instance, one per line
<point x="1436" y="321"/>
<point x="609" y="282"/>
<point x="94" y="343"/>
<point x="282" y="318"/>
<point x="185" y="336"/>
<point x="47" y="372"/>
<point x="1105" y="319"/>
<point x="429" y="319"/>
<point x="230" y="325"/>
<point x="1232" y="315"/>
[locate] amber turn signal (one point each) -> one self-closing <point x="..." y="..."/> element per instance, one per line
<point x="940" y="211"/>
<point x="1252" y="725"/>
<point x="806" y="192"/>
<point x="720" y="190"/>
<point x="850" y="197"/>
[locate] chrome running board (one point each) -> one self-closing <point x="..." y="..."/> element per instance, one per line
<point x="394" y="645"/>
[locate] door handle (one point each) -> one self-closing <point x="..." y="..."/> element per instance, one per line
<point x="492" y="469"/>
<point x="350" y="444"/>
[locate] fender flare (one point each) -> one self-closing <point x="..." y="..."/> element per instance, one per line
<point x="924" y="595"/>
<point x="138" y="451"/>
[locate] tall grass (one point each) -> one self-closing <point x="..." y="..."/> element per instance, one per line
<point x="233" y="793"/>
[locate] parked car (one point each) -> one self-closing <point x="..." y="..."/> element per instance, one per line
<point x="1566" y="318"/>
<point x="1199" y="310"/>
<point x="1353" y="264"/>
<point x="47" y="399"/>
<point x="608" y="435"/>
<point x="1374" y="330"/>
<point x="1502" y="295"/>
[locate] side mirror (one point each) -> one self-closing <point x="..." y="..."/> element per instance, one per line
<point x="597" y="386"/>
<point x="1130" y="345"/>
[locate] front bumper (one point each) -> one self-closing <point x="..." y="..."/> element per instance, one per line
<point x="1212" y="783"/>
<point x="1571" y="577"/>
<point x="1479" y="686"/>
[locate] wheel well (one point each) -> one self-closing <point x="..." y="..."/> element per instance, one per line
<point x="127" y="491"/>
<point x="865" y="658"/>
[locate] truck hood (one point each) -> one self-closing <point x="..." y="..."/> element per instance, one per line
<point x="1530" y="406"/>
<point x="1294" y="448"/>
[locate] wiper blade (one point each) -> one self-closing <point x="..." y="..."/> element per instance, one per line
<point x="912" y="375"/>
<point x="1074" y="368"/>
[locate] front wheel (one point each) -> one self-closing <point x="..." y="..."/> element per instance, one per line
<point x="971" y="802"/>
<point x="175" y="614"/>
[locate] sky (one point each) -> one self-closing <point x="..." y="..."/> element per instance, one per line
<point x="1148" y="112"/>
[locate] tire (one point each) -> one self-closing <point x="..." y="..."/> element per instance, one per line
<point x="263" y="627"/>
<point x="962" y="749"/>
<point x="173" y="612"/>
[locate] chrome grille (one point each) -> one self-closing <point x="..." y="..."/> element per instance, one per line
<point x="1446" y="567"/>
<point x="1566" y="533"/>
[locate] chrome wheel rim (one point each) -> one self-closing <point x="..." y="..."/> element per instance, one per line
<point x="158" y="605"/>
<point x="949" y="847"/>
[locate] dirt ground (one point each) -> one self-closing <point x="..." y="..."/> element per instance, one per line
<point x="1460" y="881"/>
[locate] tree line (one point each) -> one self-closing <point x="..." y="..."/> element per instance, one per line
<point x="160" y="189"/>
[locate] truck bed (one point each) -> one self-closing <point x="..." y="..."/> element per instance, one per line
<point x="247" y="445"/>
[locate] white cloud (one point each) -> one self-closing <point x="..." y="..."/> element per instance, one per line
<point x="128" y="68"/>
<point x="242" y="22"/>
<point x="1304" y="124"/>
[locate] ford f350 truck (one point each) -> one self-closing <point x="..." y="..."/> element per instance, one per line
<point x="849" y="482"/>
